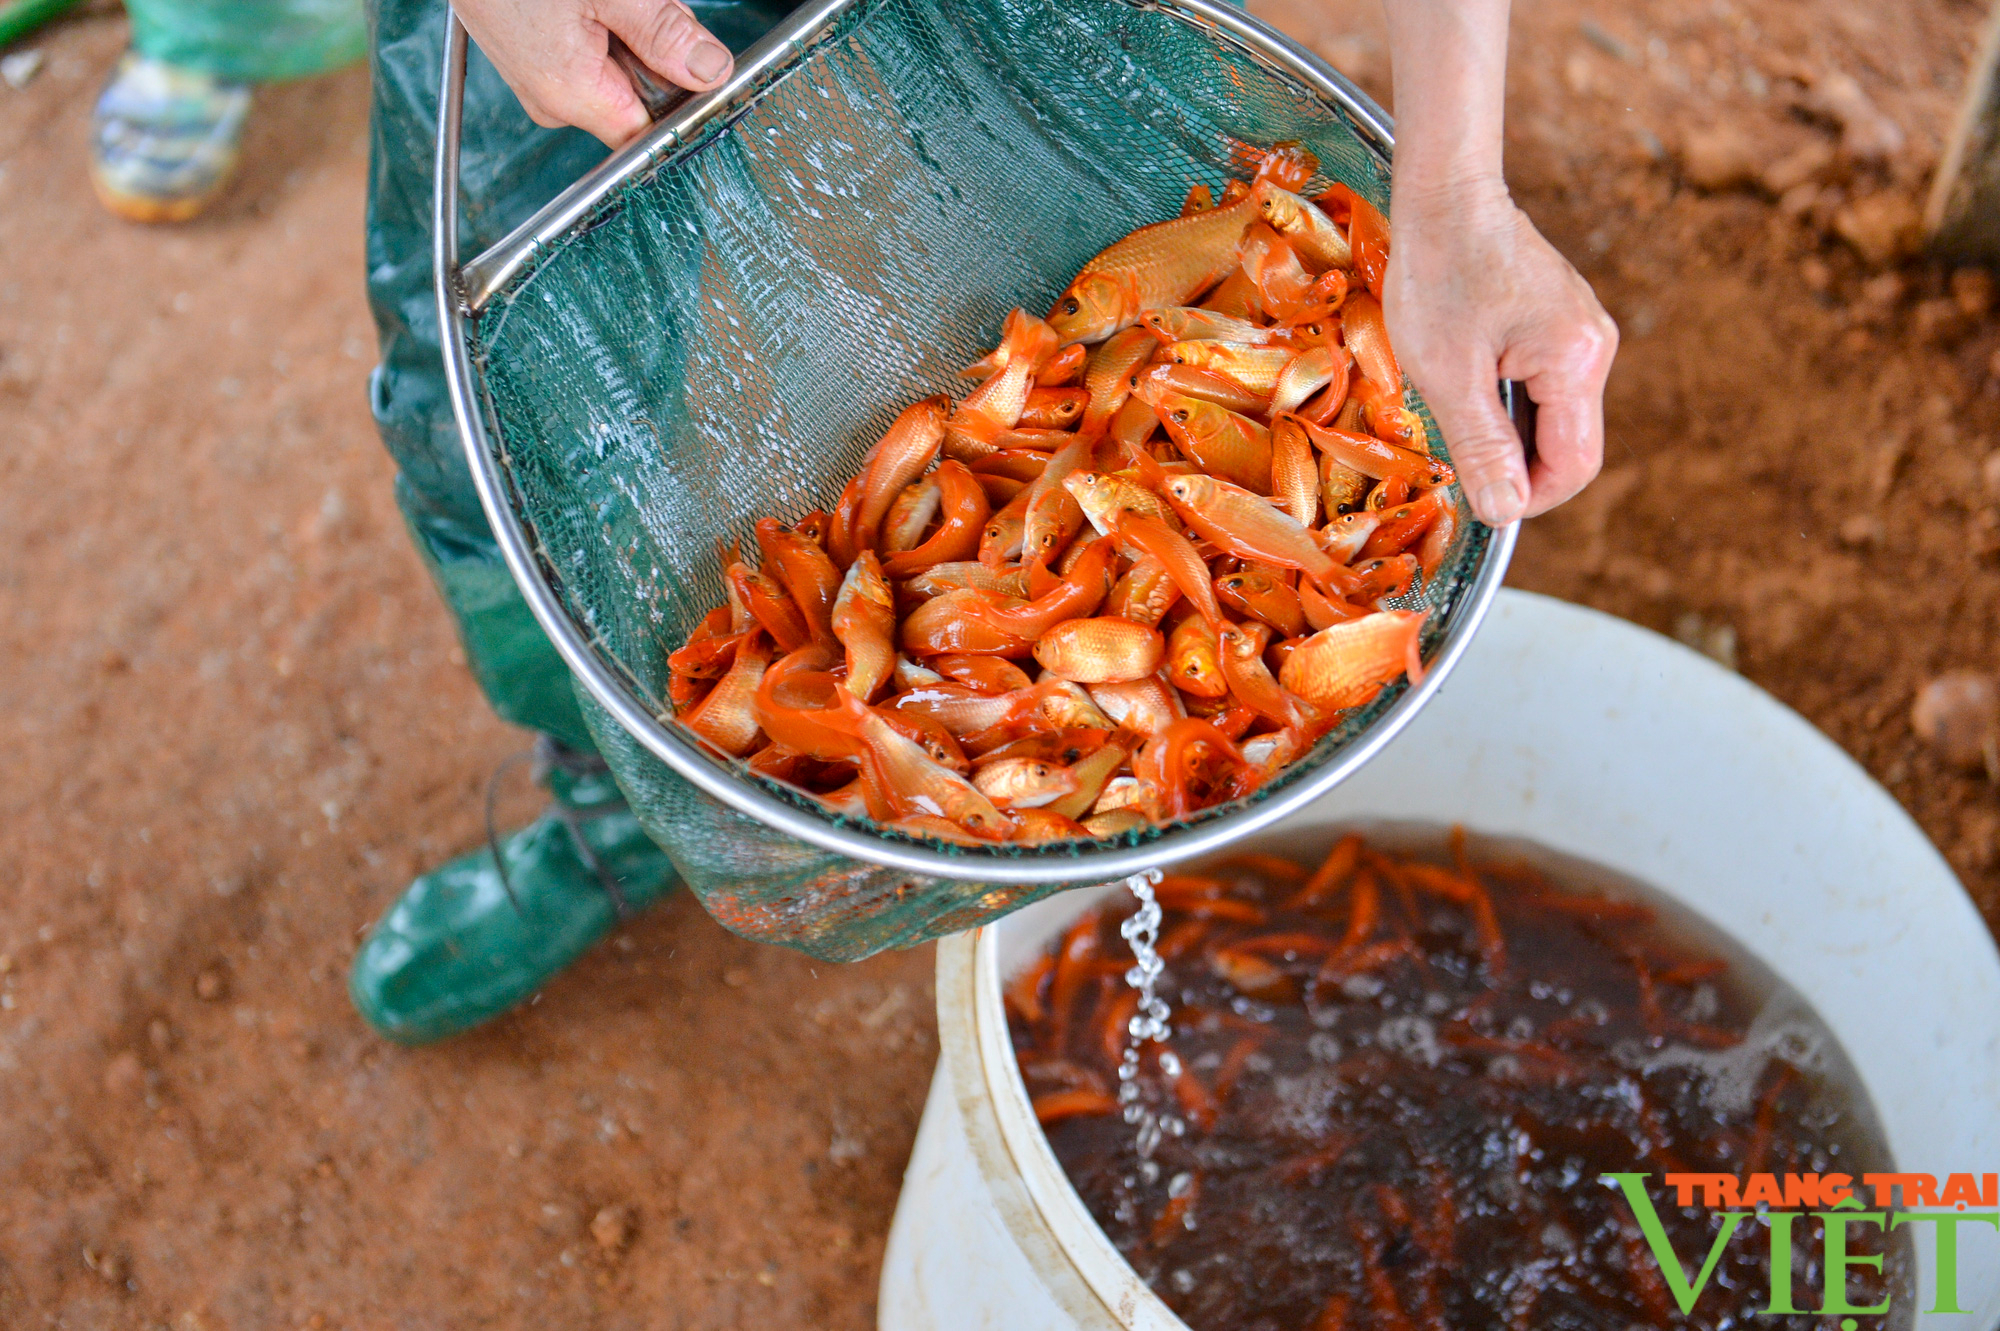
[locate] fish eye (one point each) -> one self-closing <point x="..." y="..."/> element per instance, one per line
<point x="1180" y="417"/>
<point x="1070" y="306"/>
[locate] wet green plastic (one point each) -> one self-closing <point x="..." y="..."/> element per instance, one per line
<point x="456" y="951"/>
<point x="251" y="41"/>
<point x="511" y="166"/>
<point x="520" y="673"/>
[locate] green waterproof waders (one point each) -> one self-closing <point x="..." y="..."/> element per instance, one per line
<point x="462" y="945"/>
<point x="250" y="41"/>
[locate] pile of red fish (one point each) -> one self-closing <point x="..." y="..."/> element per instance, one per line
<point x="1180" y="501"/>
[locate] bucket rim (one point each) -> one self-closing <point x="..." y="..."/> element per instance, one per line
<point x="1915" y="932"/>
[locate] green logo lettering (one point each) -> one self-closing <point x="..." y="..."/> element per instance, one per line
<point x="1838" y="1259"/>
<point x="1663" y="1248"/>
<point x="1947" y="1249"/>
<point x="1781" y="1263"/>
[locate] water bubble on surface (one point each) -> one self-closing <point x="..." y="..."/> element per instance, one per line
<point x="1783" y="1030"/>
<point x="1413" y="1037"/>
<point x="1361" y="988"/>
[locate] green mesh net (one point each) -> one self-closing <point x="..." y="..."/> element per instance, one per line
<point x="722" y="339"/>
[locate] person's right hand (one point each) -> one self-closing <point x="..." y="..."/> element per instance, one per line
<point x="555" y="55"/>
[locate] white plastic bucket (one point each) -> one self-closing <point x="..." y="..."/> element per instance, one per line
<point x="1597" y="739"/>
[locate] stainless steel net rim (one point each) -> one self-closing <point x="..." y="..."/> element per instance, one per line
<point x="464" y="289"/>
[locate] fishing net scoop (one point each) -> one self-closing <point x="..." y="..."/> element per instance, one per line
<point x="715" y="323"/>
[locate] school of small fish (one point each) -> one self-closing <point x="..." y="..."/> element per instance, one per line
<point x="1135" y="572"/>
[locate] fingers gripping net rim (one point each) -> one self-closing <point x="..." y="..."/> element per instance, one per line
<point x="721" y="338"/>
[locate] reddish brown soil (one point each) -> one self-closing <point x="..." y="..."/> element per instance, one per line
<point x="1800" y="465"/>
<point x="236" y="723"/>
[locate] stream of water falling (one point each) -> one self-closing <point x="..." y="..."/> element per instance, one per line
<point x="1142" y="931"/>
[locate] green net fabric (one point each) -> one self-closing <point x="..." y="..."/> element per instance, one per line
<point x="724" y="338"/>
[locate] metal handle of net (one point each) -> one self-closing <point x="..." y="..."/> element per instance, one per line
<point x="714" y="324"/>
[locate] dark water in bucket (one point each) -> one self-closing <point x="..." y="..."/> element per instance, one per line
<point x="1404" y="1121"/>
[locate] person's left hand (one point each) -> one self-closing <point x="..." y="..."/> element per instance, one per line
<point x="1474" y="295"/>
<point x="555" y="55"/>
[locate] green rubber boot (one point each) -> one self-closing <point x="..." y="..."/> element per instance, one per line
<point x="471" y="938"/>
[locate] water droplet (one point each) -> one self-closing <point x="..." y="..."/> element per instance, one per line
<point x="1150" y="1022"/>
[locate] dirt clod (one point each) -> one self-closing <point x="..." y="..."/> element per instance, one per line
<point x="1941" y="320"/>
<point x="1958" y="715"/>
<point x="1867" y="134"/>
<point x="1972" y="288"/>
<point x="18" y="69"/>
<point x="1863" y="531"/>
<point x="1808" y="164"/>
<point x="1978" y="841"/>
<point x="110" y="1267"/>
<point x="612" y="1228"/>
<point x="1878" y="296"/>
<point x="1716" y="641"/>
<point x="124" y="1074"/>
<point x="1720" y="157"/>
<point x="1882" y="227"/>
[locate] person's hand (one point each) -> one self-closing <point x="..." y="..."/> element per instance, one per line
<point x="1474" y="295"/>
<point x="555" y="55"/>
